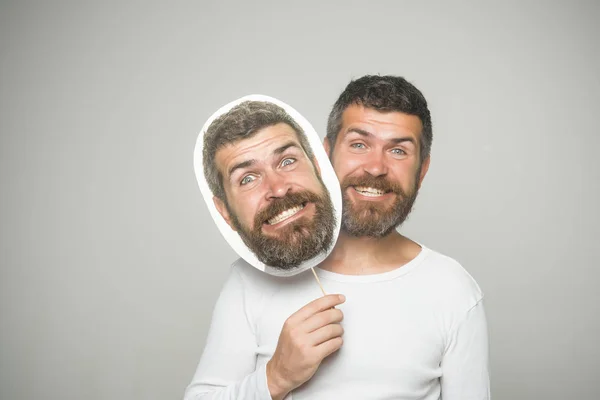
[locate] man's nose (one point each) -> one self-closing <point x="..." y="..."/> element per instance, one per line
<point x="277" y="185"/>
<point x="375" y="165"/>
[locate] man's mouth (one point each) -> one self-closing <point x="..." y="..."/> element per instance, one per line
<point x="282" y="216"/>
<point x="369" y="191"/>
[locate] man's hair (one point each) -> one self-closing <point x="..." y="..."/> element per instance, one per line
<point x="385" y="94"/>
<point x="242" y="122"/>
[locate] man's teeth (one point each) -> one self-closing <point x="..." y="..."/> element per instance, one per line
<point x="284" y="215"/>
<point x="369" y="191"/>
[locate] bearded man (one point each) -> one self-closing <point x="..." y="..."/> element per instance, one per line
<point x="413" y="326"/>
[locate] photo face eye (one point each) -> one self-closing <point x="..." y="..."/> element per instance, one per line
<point x="247" y="179"/>
<point x="287" y="161"/>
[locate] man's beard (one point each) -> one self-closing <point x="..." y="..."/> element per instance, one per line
<point x="372" y="218"/>
<point x="297" y="241"/>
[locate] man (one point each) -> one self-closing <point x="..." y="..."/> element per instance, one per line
<point x="413" y="320"/>
<point x="267" y="185"/>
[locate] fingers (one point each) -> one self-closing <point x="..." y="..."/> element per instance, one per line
<point x="330" y="346"/>
<point x="326" y="333"/>
<point x="316" y="306"/>
<point x="330" y="316"/>
<point x="307" y="337"/>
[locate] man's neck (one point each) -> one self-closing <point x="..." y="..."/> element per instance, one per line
<point x="366" y="255"/>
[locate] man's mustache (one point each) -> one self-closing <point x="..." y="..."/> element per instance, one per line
<point x="375" y="182"/>
<point x="279" y="205"/>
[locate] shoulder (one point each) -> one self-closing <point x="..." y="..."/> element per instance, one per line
<point x="246" y="288"/>
<point x="450" y="280"/>
<point x="250" y="278"/>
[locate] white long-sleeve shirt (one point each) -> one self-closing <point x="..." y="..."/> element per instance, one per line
<point x="416" y="332"/>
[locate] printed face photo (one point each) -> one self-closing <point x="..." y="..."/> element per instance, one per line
<point x="271" y="186"/>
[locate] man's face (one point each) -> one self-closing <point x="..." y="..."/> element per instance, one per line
<point x="376" y="159"/>
<point x="276" y="200"/>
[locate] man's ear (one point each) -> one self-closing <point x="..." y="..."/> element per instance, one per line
<point x="327" y="147"/>
<point x="222" y="209"/>
<point x="424" y="169"/>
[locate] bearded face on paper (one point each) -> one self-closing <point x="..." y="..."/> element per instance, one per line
<point x="267" y="185"/>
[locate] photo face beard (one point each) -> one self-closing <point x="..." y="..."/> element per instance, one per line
<point x="373" y="218"/>
<point x="296" y="242"/>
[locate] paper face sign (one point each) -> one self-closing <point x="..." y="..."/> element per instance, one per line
<point x="269" y="185"/>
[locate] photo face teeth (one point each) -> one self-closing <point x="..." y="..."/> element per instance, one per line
<point x="369" y="191"/>
<point x="284" y="215"/>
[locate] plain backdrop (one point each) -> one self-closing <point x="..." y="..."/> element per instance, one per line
<point x="110" y="262"/>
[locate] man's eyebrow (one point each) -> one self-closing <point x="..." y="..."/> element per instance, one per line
<point x="243" y="164"/>
<point x="398" y="140"/>
<point x="403" y="139"/>
<point x="286" y="146"/>
<point x="361" y="132"/>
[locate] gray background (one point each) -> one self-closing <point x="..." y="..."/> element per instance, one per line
<point x="110" y="262"/>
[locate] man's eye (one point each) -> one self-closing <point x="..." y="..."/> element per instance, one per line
<point x="287" y="161"/>
<point x="358" y="145"/>
<point x="247" y="179"/>
<point x="398" y="151"/>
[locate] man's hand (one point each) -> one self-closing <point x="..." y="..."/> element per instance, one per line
<point x="307" y="337"/>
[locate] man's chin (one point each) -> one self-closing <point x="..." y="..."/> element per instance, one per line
<point x="370" y="212"/>
<point x="371" y="223"/>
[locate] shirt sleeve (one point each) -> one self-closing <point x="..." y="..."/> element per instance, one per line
<point x="465" y="369"/>
<point x="227" y="368"/>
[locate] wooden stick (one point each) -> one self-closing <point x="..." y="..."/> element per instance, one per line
<point x="318" y="281"/>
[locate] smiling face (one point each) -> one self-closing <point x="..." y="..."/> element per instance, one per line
<point x="275" y="198"/>
<point x="376" y="159"/>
